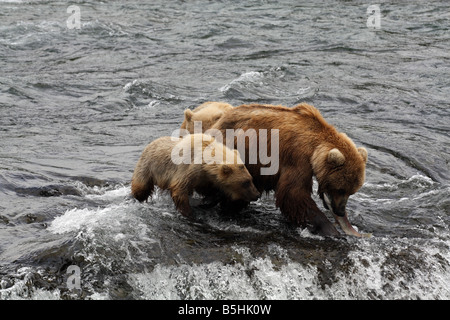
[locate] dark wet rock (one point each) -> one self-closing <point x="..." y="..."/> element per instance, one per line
<point x="48" y="191"/>
<point x="4" y="220"/>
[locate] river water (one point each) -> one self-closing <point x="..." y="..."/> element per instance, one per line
<point x="78" y="106"/>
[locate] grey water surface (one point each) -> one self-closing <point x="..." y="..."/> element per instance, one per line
<point x="78" y="106"/>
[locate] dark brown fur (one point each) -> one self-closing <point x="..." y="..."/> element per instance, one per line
<point x="305" y="142"/>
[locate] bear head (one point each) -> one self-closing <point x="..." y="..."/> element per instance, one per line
<point x="226" y="168"/>
<point x="340" y="172"/>
<point x="237" y="183"/>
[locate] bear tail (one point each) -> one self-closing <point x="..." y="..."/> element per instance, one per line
<point x="141" y="190"/>
<point x="188" y="113"/>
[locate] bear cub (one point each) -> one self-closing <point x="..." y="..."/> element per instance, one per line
<point x="207" y="113"/>
<point x="194" y="163"/>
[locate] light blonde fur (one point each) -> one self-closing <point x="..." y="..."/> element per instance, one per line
<point x="208" y="113"/>
<point x="221" y="170"/>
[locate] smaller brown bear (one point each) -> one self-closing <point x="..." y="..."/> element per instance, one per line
<point x="208" y="113"/>
<point x="194" y="163"/>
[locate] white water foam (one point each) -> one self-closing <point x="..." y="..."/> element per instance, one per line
<point x="246" y="77"/>
<point x="369" y="275"/>
<point x="254" y="278"/>
<point x="21" y="290"/>
<point x="108" y="194"/>
<point x="373" y="269"/>
<point x="76" y="219"/>
<point x="417" y="181"/>
<point x="99" y="192"/>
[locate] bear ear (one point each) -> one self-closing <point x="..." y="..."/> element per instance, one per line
<point x="188" y="114"/>
<point x="335" y="157"/>
<point x="226" y="170"/>
<point x="363" y="152"/>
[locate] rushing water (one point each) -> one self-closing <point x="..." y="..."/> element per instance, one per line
<point x="77" y="107"/>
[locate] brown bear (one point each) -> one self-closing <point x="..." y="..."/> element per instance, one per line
<point x="308" y="146"/>
<point x="208" y="113"/>
<point x="194" y="163"/>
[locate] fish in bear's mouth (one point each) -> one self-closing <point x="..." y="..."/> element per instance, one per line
<point x="343" y="221"/>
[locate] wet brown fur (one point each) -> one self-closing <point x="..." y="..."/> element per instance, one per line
<point x="305" y="142"/>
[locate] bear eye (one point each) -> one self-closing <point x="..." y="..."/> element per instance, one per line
<point x="246" y="184"/>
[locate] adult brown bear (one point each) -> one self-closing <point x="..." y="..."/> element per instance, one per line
<point x="308" y="146"/>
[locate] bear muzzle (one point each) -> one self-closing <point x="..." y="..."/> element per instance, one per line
<point x="340" y="214"/>
<point x="336" y="204"/>
<point x="253" y="194"/>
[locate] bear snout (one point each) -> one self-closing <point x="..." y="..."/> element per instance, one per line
<point x="336" y="203"/>
<point x="253" y="194"/>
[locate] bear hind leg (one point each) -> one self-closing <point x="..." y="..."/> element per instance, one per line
<point x="142" y="190"/>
